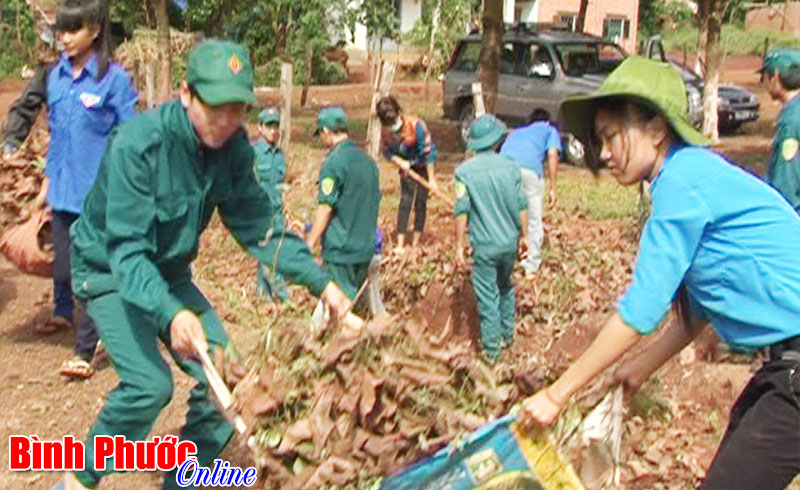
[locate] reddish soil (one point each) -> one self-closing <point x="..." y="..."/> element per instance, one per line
<point x="671" y="451"/>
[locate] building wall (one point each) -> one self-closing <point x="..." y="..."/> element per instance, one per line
<point x="782" y="17"/>
<point x="596" y="12"/>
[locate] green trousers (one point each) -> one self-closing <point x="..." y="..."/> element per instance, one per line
<point x="491" y="278"/>
<point x="145" y="386"/>
<point x="270" y="283"/>
<point x="349" y="277"/>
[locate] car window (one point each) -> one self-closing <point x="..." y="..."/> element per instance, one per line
<point x="578" y="59"/>
<point x="537" y="62"/>
<point x="468" y="56"/>
<point x="508" y="59"/>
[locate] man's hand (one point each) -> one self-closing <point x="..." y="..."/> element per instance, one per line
<point x="522" y="248"/>
<point x="187" y="334"/>
<point x="336" y="300"/>
<point x="552" y="202"/>
<point x="434" y="187"/>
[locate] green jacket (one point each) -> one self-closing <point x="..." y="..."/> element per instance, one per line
<point x="155" y="193"/>
<point x="783" y="171"/>
<point x="348" y="182"/>
<point x="270" y="169"/>
<point x="489" y="191"/>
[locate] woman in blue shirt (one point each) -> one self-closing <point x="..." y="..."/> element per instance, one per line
<point x="720" y="245"/>
<point x="87" y="96"/>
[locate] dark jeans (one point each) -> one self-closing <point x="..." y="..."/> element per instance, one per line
<point x="86" y="336"/>
<point x="411" y="192"/>
<point x="761" y="447"/>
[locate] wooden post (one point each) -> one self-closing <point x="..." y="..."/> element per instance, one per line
<point x="383" y="84"/>
<point x="477" y="99"/>
<point x="150" y="83"/>
<point x="286" y="109"/>
<point x="307" y="83"/>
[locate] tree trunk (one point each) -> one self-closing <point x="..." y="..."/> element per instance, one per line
<point x="580" y="21"/>
<point x="710" y="91"/>
<point x="307" y="81"/>
<point x="286" y="106"/>
<point x="164" y="86"/>
<point x="489" y="71"/>
<point x="431" y="45"/>
<point x="702" y="36"/>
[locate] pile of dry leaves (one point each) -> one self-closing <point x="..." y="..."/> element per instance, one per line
<point x="21" y="176"/>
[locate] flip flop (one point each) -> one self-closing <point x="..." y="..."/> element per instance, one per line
<point x="53" y="325"/>
<point x="76" y="367"/>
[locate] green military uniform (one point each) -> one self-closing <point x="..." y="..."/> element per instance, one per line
<point x="783" y="171"/>
<point x="132" y="247"/>
<point x="348" y="182"/>
<point x="489" y="191"/>
<point x="270" y="171"/>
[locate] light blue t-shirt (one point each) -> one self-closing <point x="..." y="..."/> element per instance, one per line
<point x="528" y="145"/>
<point x="733" y="240"/>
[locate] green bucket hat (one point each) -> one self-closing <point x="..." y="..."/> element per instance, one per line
<point x="221" y="73"/>
<point x="333" y="118"/>
<point x="270" y="115"/>
<point x="783" y="61"/>
<point x="485" y="132"/>
<point x="654" y="83"/>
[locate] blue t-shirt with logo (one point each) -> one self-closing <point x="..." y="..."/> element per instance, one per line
<point x="82" y="113"/>
<point x="528" y="145"/>
<point x="731" y="238"/>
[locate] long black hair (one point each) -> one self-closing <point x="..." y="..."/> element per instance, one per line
<point x="74" y="14"/>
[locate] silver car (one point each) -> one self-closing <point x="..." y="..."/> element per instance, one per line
<point x="539" y="69"/>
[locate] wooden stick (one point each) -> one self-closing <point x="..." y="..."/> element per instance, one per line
<point x="220" y="389"/>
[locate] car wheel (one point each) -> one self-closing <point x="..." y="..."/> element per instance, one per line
<point x="729" y="128"/>
<point x="574" y="151"/>
<point x="465" y="117"/>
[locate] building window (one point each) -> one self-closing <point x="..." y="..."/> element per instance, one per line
<point x="616" y="28"/>
<point x="567" y="19"/>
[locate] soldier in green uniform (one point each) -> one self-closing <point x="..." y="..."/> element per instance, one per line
<point x="348" y="200"/>
<point x="781" y="76"/>
<point x="163" y="175"/>
<point x="491" y="202"/>
<point x="270" y="173"/>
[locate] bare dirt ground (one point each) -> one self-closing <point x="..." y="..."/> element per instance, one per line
<point x="668" y="450"/>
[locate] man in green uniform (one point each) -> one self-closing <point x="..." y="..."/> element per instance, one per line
<point x="270" y="173"/>
<point x="491" y="201"/>
<point x="781" y="76"/>
<point x="348" y="200"/>
<point x="163" y="175"/>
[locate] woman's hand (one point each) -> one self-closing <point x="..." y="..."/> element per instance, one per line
<point x="540" y="409"/>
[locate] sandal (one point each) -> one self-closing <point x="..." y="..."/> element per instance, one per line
<point x="76" y="367"/>
<point x="53" y="325"/>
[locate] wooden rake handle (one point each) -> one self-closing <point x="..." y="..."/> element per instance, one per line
<point x="424" y="183"/>
<point x="220" y="389"/>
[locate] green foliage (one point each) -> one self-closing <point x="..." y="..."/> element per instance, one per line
<point x="323" y="72"/>
<point x="379" y="18"/>
<point x="650" y="11"/>
<point x="735" y="40"/>
<point x="455" y="17"/>
<point x="16" y="54"/>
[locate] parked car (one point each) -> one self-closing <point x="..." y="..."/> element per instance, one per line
<point x="542" y="65"/>
<point x="737" y="105"/>
<point x="539" y="68"/>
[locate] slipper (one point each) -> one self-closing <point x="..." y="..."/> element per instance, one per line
<point x="75" y="367"/>
<point x="53" y="325"/>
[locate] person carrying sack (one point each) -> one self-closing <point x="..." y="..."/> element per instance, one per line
<point x="720" y="246"/>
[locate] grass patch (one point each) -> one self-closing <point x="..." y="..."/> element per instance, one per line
<point x="598" y="198"/>
<point x="734" y="39"/>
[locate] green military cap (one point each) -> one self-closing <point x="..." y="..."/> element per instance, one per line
<point x="651" y="82"/>
<point x="333" y="118"/>
<point x="485" y="132"/>
<point x="783" y="61"/>
<point x="220" y="73"/>
<point x="270" y="115"/>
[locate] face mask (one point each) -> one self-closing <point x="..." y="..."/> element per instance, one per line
<point x="397" y="126"/>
